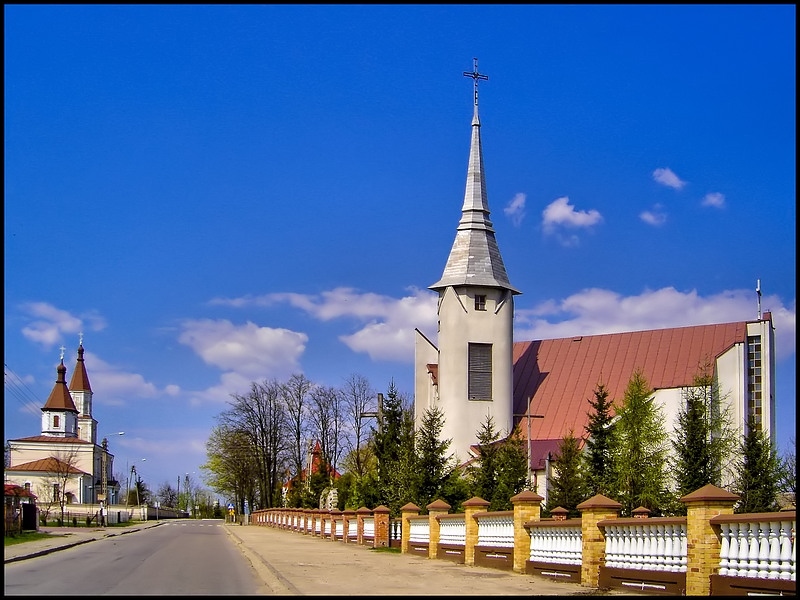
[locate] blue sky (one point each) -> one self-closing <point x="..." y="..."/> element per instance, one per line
<point x="215" y="195"/>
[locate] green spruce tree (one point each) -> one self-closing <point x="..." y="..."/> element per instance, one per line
<point x="434" y="462"/>
<point x="704" y="441"/>
<point x="758" y="484"/>
<point x="568" y="486"/>
<point x="598" y="455"/>
<point x="512" y="472"/>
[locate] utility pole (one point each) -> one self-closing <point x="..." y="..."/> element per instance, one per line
<point x="103" y="481"/>
<point x="528" y="416"/>
<point x="377" y="414"/>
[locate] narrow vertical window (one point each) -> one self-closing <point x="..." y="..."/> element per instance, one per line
<point x="55" y="421"/>
<point x="754" y="391"/>
<point x="480" y="302"/>
<point x="480" y="372"/>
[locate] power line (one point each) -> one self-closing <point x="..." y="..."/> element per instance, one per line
<point x="19" y="390"/>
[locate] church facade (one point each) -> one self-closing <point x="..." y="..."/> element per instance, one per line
<point x="65" y="462"/>
<point x="473" y="368"/>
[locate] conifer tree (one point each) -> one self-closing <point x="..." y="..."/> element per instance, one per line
<point x="394" y="449"/>
<point x="501" y="469"/>
<point x="704" y="441"/>
<point x="598" y="455"/>
<point x="567" y="487"/>
<point x="434" y="463"/>
<point x="758" y="484"/>
<point x="640" y="450"/>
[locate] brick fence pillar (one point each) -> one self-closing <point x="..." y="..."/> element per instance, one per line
<point x="594" y="510"/>
<point x="472" y="507"/>
<point x="381" y="516"/>
<point x="406" y="511"/>
<point x="349" y="517"/>
<point x="703" y="541"/>
<point x="360" y="514"/>
<point x="336" y="516"/>
<point x="527" y="507"/>
<point x="435" y="508"/>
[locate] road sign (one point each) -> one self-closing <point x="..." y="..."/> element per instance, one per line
<point x="230" y="505"/>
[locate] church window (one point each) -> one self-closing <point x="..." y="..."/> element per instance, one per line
<point x="754" y="391"/>
<point x="480" y="302"/>
<point x="480" y="372"/>
<point x="55" y="421"/>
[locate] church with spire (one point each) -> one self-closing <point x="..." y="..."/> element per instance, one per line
<point x="65" y="460"/>
<point x="472" y="368"/>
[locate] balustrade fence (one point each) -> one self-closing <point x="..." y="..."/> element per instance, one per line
<point x="711" y="551"/>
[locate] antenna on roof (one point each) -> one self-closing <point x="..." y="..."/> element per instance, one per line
<point x="758" y="291"/>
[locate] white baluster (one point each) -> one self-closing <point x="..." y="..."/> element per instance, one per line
<point x="611" y="545"/>
<point x="744" y="549"/>
<point x="661" y="553"/>
<point x="670" y="561"/>
<point x="752" y="555"/>
<point x="774" y="550"/>
<point x="763" y="550"/>
<point x="786" y="550"/>
<point x="725" y="547"/>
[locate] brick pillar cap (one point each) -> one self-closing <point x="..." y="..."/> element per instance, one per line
<point x="559" y="510"/>
<point x="335" y="511"/>
<point x="710" y="492"/>
<point x="526" y="496"/>
<point x="641" y="511"/>
<point x="381" y="509"/>
<point x="599" y="501"/>
<point x="409" y="507"/>
<point x="438" y="505"/>
<point x="476" y="501"/>
<point x="363" y="510"/>
<point x="349" y="512"/>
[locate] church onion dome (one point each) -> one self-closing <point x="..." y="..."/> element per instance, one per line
<point x="60" y="398"/>
<point x="80" y="380"/>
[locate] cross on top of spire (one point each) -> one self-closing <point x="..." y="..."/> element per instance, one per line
<point x="62" y="352"/>
<point x="475" y="77"/>
<point x="80" y="339"/>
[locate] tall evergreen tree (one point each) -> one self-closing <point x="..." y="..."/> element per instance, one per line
<point x="598" y="457"/>
<point x="482" y="473"/>
<point x="568" y="486"/>
<point x="501" y="469"/>
<point x="512" y="472"/>
<point x="758" y="484"/>
<point x="640" y="447"/>
<point x="394" y="449"/>
<point x="704" y="441"/>
<point x="435" y="464"/>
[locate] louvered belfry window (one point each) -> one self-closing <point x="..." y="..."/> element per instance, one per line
<point x="480" y="371"/>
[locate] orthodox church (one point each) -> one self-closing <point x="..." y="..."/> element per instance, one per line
<point x="65" y="459"/>
<point x="542" y="388"/>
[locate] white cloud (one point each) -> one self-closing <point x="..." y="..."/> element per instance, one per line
<point x="560" y="214"/>
<point x="595" y="311"/>
<point x="515" y="209"/>
<point x="714" y="199"/>
<point x="49" y="323"/>
<point x="666" y="177"/>
<point x="655" y="217"/>
<point x="250" y="350"/>
<point x="117" y="386"/>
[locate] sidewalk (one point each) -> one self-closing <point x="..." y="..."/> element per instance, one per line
<point x="292" y="563"/>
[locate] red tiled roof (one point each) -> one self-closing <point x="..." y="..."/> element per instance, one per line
<point x="561" y="375"/>
<point x="52" y="439"/>
<point x="50" y="464"/>
<point x="12" y="489"/>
